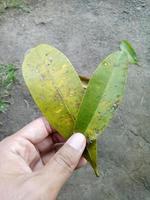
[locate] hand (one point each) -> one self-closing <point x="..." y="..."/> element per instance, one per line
<point x="30" y="167"/>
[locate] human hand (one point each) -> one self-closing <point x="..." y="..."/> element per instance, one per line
<point x="30" y="167"/>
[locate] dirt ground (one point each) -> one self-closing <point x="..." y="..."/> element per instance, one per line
<point x="86" y="31"/>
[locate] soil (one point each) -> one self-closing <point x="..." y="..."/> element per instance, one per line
<point x="87" y="31"/>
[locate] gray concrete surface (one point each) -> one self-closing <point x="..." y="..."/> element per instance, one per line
<point x="86" y="31"/>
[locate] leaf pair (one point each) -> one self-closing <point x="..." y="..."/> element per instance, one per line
<point x="71" y="105"/>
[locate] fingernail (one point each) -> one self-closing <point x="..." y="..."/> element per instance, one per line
<point x="77" y="141"/>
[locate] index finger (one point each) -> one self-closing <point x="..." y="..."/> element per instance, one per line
<point x="36" y="131"/>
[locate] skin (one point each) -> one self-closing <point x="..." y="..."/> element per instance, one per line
<point x="36" y="162"/>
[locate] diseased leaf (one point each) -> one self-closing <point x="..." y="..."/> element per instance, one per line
<point x="102" y="97"/>
<point x="54" y="86"/>
<point x="71" y="104"/>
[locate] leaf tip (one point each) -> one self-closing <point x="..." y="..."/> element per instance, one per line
<point x="127" y="47"/>
<point x="97" y="172"/>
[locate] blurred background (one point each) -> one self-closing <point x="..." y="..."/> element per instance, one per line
<point x="86" y="31"/>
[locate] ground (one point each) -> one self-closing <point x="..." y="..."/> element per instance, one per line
<point x="86" y="31"/>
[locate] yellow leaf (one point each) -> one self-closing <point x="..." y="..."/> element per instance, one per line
<point x="54" y="86"/>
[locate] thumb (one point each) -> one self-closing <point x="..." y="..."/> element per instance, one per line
<point x="63" y="163"/>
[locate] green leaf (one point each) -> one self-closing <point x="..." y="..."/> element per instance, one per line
<point x="102" y="97"/>
<point x="3" y="105"/>
<point x="7" y="78"/>
<point x="54" y="86"/>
